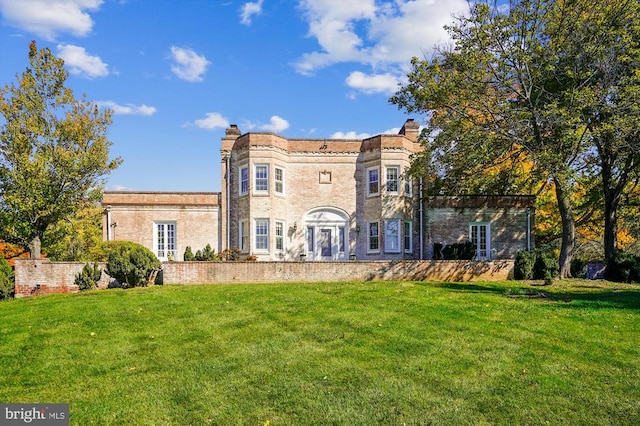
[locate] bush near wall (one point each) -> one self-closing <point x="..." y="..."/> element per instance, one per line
<point x="540" y="264"/>
<point x="624" y="267"/>
<point x="7" y="284"/>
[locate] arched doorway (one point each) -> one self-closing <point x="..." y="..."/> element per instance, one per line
<point x="326" y="234"/>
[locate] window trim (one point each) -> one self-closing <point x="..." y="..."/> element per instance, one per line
<point x="387" y="181"/>
<point x="408" y="184"/>
<point x="276" y="181"/>
<point x="369" y="181"/>
<point x="488" y="248"/>
<point x="243" y="236"/>
<point x="242" y="181"/>
<point x="166" y="239"/>
<point x="408" y="233"/>
<point x="389" y="238"/>
<point x="257" y="235"/>
<point x="279" y="238"/>
<point x="369" y="237"/>
<point x="256" y="185"/>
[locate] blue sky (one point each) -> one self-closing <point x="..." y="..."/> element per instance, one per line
<point x="177" y="73"/>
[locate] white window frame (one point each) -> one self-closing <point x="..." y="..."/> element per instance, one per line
<point x="279" y="235"/>
<point x="483" y="248"/>
<point x="165" y="239"/>
<point x="408" y="184"/>
<point x="261" y="239"/>
<point x="391" y="237"/>
<point x="371" y="238"/>
<point x="278" y="182"/>
<point x="408" y="236"/>
<point x="393" y="181"/>
<point x="243" y="237"/>
<point x="342" y="236"/>
<point x="370" y="181"/>
<point x="310" y="239"/>
<point x="243" y="180"/>
<point x="260" y="180"/>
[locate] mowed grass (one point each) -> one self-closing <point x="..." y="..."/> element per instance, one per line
<point x="331" y="353"/>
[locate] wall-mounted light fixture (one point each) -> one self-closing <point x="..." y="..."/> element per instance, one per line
<point x="358" y="228"/>
<point x="295" y="226"/>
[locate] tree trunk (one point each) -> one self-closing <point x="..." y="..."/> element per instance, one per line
<point x="35" y="247"/>
<point x="567" y="249"/>
<point x="610" y="225"/>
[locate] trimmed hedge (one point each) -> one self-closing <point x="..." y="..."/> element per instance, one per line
<point x="132" y="264"/>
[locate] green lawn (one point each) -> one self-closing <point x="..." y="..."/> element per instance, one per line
<point x="332" y="353"/>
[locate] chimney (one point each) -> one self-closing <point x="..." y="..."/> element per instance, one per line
<point x="232" y="130"/>
<point x="411" y="130"/>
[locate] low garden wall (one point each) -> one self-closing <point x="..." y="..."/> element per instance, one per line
<point x="42" y="276"/>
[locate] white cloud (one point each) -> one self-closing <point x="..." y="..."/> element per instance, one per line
<point x="349" y="135"/>
<point x="128" y="109"/>
<point x="212" y="121"/>
<point x="378" y="83"/>
<point x="276" y="124"/>
<point x="48" y="18"/>
<point x="79" y="62"/>
<point x="250" y="9"/>
<point x="382" y="35"/>
<point x="188" y="65"/>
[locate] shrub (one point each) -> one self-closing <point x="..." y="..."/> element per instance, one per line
<point x="207" y="254"/>
<point x="459" y="251"/>
<point x="188" y="255"/>
<point x="89" y="277"/>
<point x="623" y="267"/>
<point x="523" y="267"/>
<point x="7" y="285"/>
<point x="229" y="255"/>
<point x="546" y="264"/>
<point x="578" y="268"/>
<point x="132" y="265"/>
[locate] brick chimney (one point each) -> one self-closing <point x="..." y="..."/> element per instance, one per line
<point x="411" y="130"/>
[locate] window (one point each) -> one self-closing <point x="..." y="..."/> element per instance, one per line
<point x="373" y="181"/>
<point x="374" y="237"/>
<point x="392" y="236"/>
<point x="310" y="239"/>
<point x="242" y="234"/>
<point x="280" y="236"/>
<point x="407" y="184"/>
<point x="480" y="234"/>
<point x="341" y="236"/>
<point x="165" y="240"/>
<point x="262" y="234"/>
<point x="261" y="178"/>
<point x="393" y="178"/>
<point x="244" y="180"/>
<point x="279" y="180"/>
<point x="408" y="237"/>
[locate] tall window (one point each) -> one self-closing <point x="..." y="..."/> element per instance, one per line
<point x="262" y="234"/>
<point x="243" y="237"/>
<point x="374" y="237"/>
<point x="280" y="236"/>
<point x="393" y="178"/>
<point x="244" y="180"/>
<point x="392" y="236"/>
<point x="261" y="178"/>
<point x="480" y="235"/>
<point x="279" y="180"/>
<point x="373" y="181"/>
<point x="341" y="236"/>
<point x="310" y="238"/>
<point x="408" y="237"/>
<point x="165" y="240"/>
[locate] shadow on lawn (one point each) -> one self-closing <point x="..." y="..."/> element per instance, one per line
<point x="566" y="297"/>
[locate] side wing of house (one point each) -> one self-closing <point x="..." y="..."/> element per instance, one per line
<point x="164" y="222"/>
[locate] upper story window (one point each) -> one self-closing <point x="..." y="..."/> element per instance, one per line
<point x="261" y="179"/>
<point x="393" y="179"/>
<point x="244" y="180"/>
<point x="408" y="189"/>
<point x="373" y="181"/>
<point x="279" y="180"/>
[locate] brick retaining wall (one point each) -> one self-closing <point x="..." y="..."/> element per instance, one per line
<point x="35" y="277"/>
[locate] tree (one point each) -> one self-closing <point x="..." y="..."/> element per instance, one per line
<point x="510" y="86"/>
<point x="77" y="238"/>
<point x="54" y="152"/>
